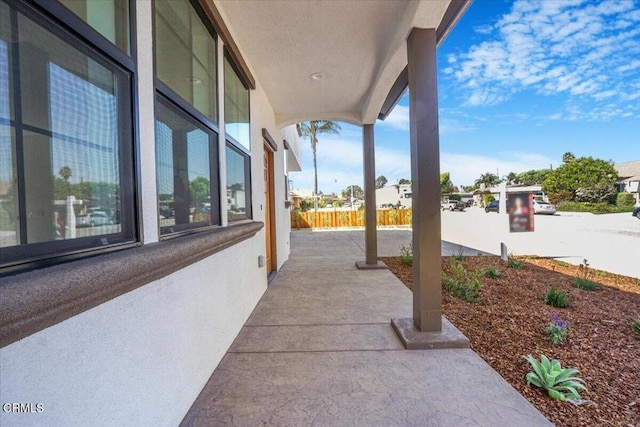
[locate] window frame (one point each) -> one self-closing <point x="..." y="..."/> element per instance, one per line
<point x="86" y="31"/>
<point x="227" y="137"/>
<point x="53" y="18"/>
<point x="180" y="106"/>
<point x="214" y="174"/>
<point x="240" y="149"/>
<point x="247" y="180"/>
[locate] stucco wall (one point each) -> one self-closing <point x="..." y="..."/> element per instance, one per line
<point x="140" y="359"/>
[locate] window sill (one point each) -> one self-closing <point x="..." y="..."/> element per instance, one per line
<point x="38" y="299"/>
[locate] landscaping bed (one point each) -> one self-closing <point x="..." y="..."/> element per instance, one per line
<point x="509" y="318"/>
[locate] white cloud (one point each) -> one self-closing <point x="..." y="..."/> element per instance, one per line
<point x="581" y="49"/>
<point x="398" y="118"/>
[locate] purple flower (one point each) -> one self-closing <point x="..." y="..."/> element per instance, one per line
<point x="557" y="321"/>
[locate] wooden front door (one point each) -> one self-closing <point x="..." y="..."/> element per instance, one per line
<point x="269" y="211"/>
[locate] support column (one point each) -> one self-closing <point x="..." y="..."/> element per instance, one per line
<point x="425" y="180"/>
<point x="370" y="228"/>
<point x="426" y="329"/>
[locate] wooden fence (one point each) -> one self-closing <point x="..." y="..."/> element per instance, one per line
<point x="337" y="219"/>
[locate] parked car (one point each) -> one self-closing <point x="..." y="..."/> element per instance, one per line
<point x="493" y="207"/>
<point x="93" y="219"/>
<point x="636" y="212"/>
<point x="453" y="205"/>
<point x="540" y="207"/>
<point x="458" y="206"/>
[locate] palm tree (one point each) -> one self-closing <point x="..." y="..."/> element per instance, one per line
<point x="65" y="173"/>
<point x="311" y="130"/>
<point x="488" y="179"/>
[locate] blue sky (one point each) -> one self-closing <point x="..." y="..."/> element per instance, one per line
<point x="520" y="83"/>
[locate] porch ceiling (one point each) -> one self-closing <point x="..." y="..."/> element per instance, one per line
<point x="359" y="47"/>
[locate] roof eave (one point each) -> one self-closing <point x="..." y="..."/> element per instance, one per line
<point x="452" y="15"/>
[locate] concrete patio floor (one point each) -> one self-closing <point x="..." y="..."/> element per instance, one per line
<point x="319" y="350"/>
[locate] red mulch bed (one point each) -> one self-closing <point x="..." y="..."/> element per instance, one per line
<point x="509" y="321"/>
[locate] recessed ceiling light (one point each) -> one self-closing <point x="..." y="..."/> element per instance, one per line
<point x="194" y="80"/>
<point x="317" y="76"/>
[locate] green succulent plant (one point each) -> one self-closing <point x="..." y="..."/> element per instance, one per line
<point x="561" y="384"/>
<point x="635" y="324"/>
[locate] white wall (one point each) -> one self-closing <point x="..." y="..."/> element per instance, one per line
<point x="140" y="359"/>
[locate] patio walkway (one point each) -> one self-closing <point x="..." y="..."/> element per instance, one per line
<point x="319" y="350"/>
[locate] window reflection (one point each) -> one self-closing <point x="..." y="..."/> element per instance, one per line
<point x="238" y="202"/>
<point x="236" y="107"/>
<point x="185" y="54"/>
<point x="68" y="137"/>
<point x="108" y="17"/>
<point x="184" y="174"/>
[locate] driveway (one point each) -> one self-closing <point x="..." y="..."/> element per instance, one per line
<point x="609" y="242"/>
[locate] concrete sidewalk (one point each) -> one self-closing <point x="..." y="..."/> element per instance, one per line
<point x="319" y="350"/>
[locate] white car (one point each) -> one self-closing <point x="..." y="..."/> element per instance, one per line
<point x="540" y="207"/>
<point x="93" y="219"/>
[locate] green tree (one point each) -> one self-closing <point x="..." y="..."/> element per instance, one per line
<point x="532" y="177"/>
<point x="488" y="179"/>
<point x="357" y="192"/>
<point x="381" y="181"/>
<point x="199" y="191"/>
<point x="311" y="130"/>
<point x="580" y="179"/>
<point x="446" y="186"/>
<point x="568" y="157"/>
<point x="404" y="181"/>
<point x="512" y="178"/>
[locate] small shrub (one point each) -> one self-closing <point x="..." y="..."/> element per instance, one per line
<point x="556" y="330"/>
<point x="586" y="285"/>
<point x="555" y="298"/>
<point x="462" y="284"/>
<point x="458" y="255"/>
<point x="635" y="324"/>
<point x="560" y="383"/>
<point x="406" y="254"/>
<point x="584" y="280"/>
<point x="563" y="264"/>
<point x="625" y="199"/>
<point x="514" y="263"/>
<point x="492" y="273"/>
<point x="595" y="208"/>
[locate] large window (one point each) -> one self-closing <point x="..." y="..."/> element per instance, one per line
<point x="65" y="143"/>
<point x="186" y="119"/>
<point x="238" y="137"/>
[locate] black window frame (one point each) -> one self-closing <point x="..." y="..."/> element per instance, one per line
<point x="58" y="20"/>
<point x="178" y="105"/>
<point x="239" y="148"/>
<point x="214" y="175"/>
<point x="247" y="180"/>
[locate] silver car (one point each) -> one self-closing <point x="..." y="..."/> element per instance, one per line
<point x="540" y="207"/>
<point x="93" y="219"/>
